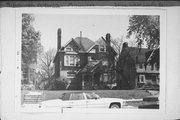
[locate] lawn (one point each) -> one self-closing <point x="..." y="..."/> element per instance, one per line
<point x="124" y="94"/>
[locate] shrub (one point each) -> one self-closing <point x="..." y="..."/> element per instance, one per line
<point x="59" y="85"/>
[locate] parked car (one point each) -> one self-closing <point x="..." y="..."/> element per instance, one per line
<point x="153" y="100"/>
<point x="83" y="100"/>
<point x="150" y="106"/>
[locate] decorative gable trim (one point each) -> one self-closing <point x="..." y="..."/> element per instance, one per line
<point x="70" y="42"/>
<point x="91" y="48"/>
<point x="71" y="48"/>
<point x="67" y="43"/>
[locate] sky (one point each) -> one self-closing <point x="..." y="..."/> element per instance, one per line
<point x="92" y="27"/>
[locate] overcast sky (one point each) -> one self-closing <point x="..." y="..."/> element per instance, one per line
<point x="92" y="26"/>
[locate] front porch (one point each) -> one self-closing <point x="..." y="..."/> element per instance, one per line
<point x="96" y="76"/>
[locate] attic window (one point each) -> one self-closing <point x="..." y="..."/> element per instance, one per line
<point x="102" y="48"/>
<point x="68" y="49"/>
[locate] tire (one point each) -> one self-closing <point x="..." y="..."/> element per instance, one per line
<point x="114" y="106"/>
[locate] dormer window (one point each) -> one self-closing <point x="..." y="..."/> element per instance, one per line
<point x="102" y="48"/>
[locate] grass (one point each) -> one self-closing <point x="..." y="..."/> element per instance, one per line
<point x="124" y="94"/>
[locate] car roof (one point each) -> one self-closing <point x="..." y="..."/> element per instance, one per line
<point x="77" y="92"/>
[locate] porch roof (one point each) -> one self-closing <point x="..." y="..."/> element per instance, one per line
<point x="91" y="67"/>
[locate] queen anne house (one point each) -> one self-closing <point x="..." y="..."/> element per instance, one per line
<point x="84" y="63"/>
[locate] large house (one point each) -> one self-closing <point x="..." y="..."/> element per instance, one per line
<point x="135" y="71"/>
<point x="84" y="63"/>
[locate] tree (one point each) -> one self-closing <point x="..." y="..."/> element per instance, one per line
<point x="30" y="44"/>
<point x="146" y="28"/>
<point x="116" y="44"/>
<point x="46" y="66"/>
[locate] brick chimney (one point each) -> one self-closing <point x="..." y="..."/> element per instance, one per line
<point x="108" y="38"/>
<point x="58" y="39"/>
<point x="125" y="45"/>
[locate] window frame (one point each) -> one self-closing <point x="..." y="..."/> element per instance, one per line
<point x="68" y="50"/>
<point x="142" y="81"/>
<point x="104" y="48"/>
<point x="70" y="60"/>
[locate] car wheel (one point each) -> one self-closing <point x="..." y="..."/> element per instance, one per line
<point x="114" y="106"/>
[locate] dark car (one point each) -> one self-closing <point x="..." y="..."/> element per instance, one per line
<point x="152" y="102"/>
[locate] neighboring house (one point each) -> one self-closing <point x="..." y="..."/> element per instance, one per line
<point x="84" y="63"/>
<point x="134" y="69"/>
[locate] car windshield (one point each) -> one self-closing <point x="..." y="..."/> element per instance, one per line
<point x="92" y="96"/>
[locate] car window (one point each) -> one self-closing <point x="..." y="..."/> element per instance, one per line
<point x="92" y="96"/>
<point x="65" y="96"/>
<point x="77" y="96"/>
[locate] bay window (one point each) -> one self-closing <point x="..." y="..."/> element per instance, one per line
<point x="71" y="60"/>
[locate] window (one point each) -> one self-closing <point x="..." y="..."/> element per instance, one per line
<point x="141" y="66"/>
<point x="102" y="48"/>
<point x="92" y="96"/>
<point x="71" y="60"/>
<point x="142" y="80"/>
<point x="154" y="79"/>
<point x="66" y="60"/>
<point x="68" y="49"/>
<point x="89" y="58"/>
<point x="77" y="96"/>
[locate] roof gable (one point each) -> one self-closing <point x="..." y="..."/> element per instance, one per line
<point x="102" y="41"/>
<point x="73" y="45"/>
<point x="84" y="43"/>
<point x="138" y="54"/>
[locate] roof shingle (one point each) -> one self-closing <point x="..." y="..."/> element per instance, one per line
<point x="138" y="54"/>
<point x="84" y="42"/>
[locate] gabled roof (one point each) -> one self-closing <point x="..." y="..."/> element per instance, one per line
<point x="102" y="41"/>
<point x="138" y="54"/>
<point x="84" y="42"/>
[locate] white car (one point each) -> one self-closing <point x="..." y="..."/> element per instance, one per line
<point x="83" y="100"/>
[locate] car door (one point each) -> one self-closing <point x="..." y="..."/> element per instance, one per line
<point x="94" y="101"/>
<point x="77" y="100"/>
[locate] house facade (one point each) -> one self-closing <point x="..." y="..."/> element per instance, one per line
<point x="135" y="71"/>
<point x="84" y="63"/>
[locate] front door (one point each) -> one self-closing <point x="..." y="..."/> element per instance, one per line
<point x="88" y="82"/>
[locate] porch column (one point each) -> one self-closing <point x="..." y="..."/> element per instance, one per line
<point x="93" y="80"/>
